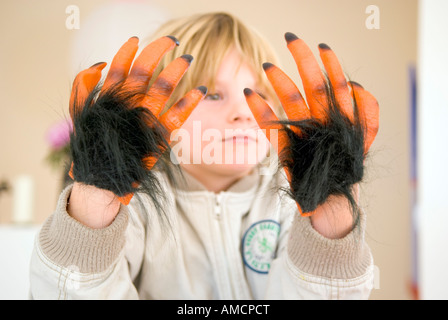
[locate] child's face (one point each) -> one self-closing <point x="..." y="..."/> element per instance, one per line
<point x="221" y="135"/>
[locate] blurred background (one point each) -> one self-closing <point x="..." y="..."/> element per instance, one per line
<point x="394" y="48"/>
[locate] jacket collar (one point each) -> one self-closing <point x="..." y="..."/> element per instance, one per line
<point x="186" y="182"/>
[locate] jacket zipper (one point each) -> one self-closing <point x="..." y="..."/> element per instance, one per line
<point x="222" y="247"/>
<point x="218" y="199"/>
<point x="225" y="254"/>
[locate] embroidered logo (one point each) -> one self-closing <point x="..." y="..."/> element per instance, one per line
<point x="259" y="245"/>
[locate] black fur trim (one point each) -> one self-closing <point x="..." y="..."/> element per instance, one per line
<point x="111" y="138"/>
<point x="326" y="158"/>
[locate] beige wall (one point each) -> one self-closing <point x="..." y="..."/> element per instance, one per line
<point x="36" y="74"/>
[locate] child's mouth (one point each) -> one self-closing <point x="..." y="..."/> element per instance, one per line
<point x="240" y="139"/>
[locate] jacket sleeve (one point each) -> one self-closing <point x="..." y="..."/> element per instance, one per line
<point x="310" y="266"/>
<point x="72" y="261"/>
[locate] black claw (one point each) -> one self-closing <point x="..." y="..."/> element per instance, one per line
<point x="97" y="64"/>
<point x="203" y="89"/>
<point x="174" y="39"/>
<point x="289" y="37"/>
<point x="356" y="84"/>
<point x="188" y="57"/>
<point x="247" y="91"/>
<point x="267" y="65"/>
<point x="324" y="46"/>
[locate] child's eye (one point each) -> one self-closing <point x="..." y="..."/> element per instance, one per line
<point x="213" y="96"/>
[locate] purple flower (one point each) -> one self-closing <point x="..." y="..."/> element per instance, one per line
<point x="58" y="135"/>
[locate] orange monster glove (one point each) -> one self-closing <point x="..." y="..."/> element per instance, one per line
<point x="118" y="133"/>
<point x="323" y="144"/>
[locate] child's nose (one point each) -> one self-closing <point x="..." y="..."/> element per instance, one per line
<point x="240" y="111"/>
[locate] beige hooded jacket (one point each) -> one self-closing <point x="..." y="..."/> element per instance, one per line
<point x="245" y="243"/>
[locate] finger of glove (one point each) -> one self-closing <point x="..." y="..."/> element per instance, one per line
<point x="150" y="161"/>
<point x="128" y="197"/>
<point x="312" y="77"/>
<point x="267" y="120"/>
<point x="337" y="80"/>
<point x="70" y="172"/>
<point x="289" y="95"/>
<point x="124" y="200"/>
<point x="164" y="85"/>
<point x="369" y="113"/>
<point x="175" y="117"/>
<point x="121" y="63"/>
<point x="83" y="85"/>
<point x="147" y="61"/>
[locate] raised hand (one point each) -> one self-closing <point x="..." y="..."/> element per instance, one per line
<point x="118" y="132"/>
<point x="323" y="143"/>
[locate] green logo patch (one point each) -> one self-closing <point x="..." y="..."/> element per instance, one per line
<point x="259" y="245"/>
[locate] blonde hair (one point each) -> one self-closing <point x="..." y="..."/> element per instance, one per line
<point x="208" y="37"/>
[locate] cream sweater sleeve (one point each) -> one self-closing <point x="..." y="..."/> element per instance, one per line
<point x="65" y="241"/>
<point x="72" y="261"/>
<point x="312" y="253"/>
<point x="314" y="267"/>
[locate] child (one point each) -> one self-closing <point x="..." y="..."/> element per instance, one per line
<point x="205" y="221"/>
